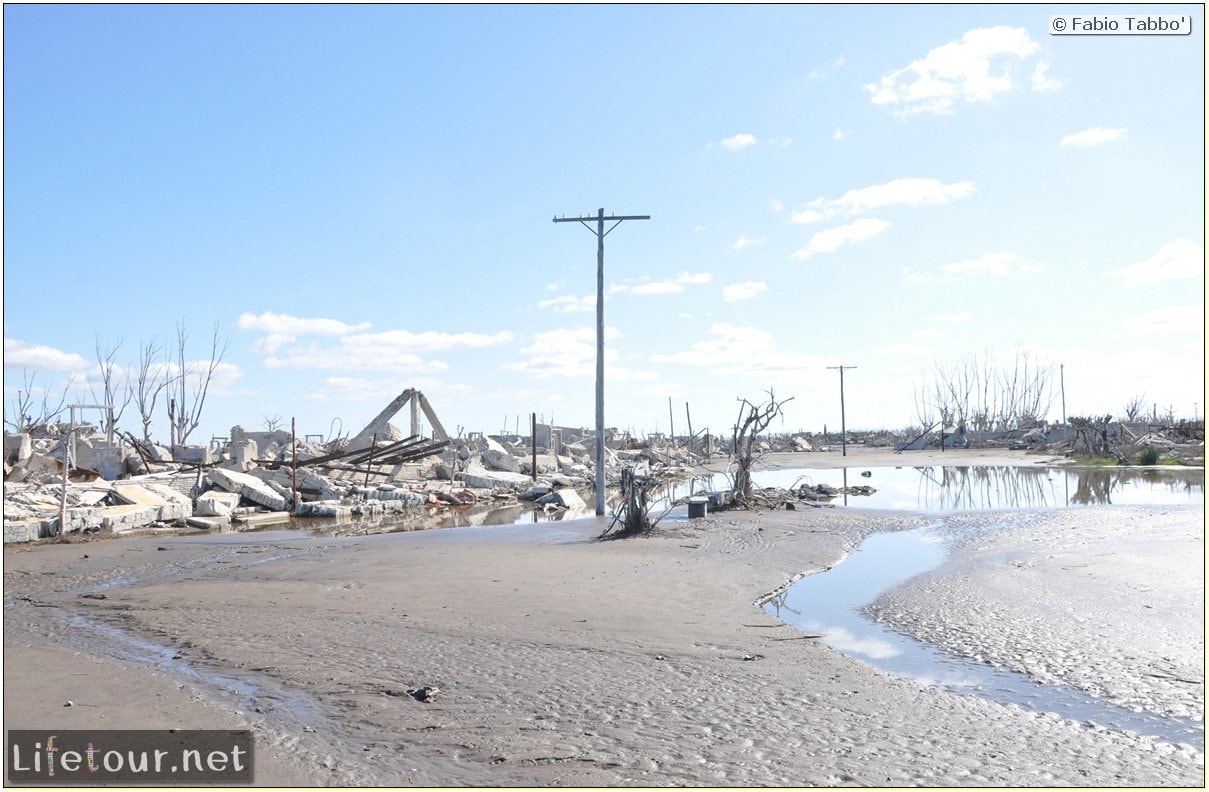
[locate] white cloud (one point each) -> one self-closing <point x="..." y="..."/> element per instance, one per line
<point x="909" y="192"/>
<point x="1043" y="83"/>
<point x="832" y="239"/>
<point x="735" y="350"/>
<point x="839" y="134"/>
<point x="332" y="389"/>
<point x="571" y="354"/>
<point x="1181" y="259"/>
<point x="284" y="324"/>
<point x="987" y="264"/>
<point x="738" y="142"/>
<point x="1093" y="137"/>
<point x="1168" y="320"/>
<point x="671" y="286"/>
<point x="777" y="205"/>
<point x="745" y="242"/>
<point x="391" y="350"/>
<point x="781" y="141"/>
<point x="905" y="350"/>
<point x="998" y="264"/>
<point x="971" y="69"/>
<point x="743" y="291"/>
<point x="805" y="216"/>
<point x="282" y="329"/>
<point x="555" y="286"/>
<point x="569" y="303"/>
<point x="37" y="356"/>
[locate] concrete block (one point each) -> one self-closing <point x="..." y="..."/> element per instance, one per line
<point x="249" y="487"/>
<point x="18" y="448"/>
<point x="243" y="454"/>
<point x="16" y="531"/>
<point x="126" y="517"/>
<point x="570" y="499"/>
<point x="479" y="477"/>
<point x="501" y="460"/>
<point x="166" y="509"/>
<point x="216" y="503"/>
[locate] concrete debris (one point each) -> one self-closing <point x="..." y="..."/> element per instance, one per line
<point x="261" y="478"/>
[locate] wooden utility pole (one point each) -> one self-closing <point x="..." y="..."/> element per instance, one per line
<point x="533" y="441"/>
<point x="843" y="423"/>
<point x="600" y="233"/>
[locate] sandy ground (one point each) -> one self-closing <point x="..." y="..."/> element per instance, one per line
<point x="560" y="660"/>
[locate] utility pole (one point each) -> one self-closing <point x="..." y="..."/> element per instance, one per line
<point x="843" y="424"/>
<point x="1062" y="385"/>
<point x="600" y="233"/>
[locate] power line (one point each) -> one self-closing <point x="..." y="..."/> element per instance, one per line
<point x="600" y="233"/>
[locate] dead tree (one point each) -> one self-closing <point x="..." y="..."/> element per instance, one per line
<point x="633" y="513"/>
<point x="753" y="419"/>
<point x="1134" y="407"/>
<point x="22" y="415"/>
<point x="1091" y="437"/>
<point x="187" y="390"/>
<point x="116" y="388"/>
<point x="150" y="380"/>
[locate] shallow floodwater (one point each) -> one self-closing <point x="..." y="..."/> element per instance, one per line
<point x="938" y="489"/>
<point x="830" y="603"/>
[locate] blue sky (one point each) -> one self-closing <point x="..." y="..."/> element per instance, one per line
<point x="361" y="198"/>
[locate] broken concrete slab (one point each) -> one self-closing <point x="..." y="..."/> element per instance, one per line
<point x="166" y="509"/>
<point x="479" y="477"/>
<point x="216" y="503"/>
<point x="18" y="448"/>
<point x="127" y="517"/>
<point x="249" y="487"/>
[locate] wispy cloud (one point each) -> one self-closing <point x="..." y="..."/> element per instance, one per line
<point x="1181" y="259"/>
<point x="839" y="134"/>
<point x="963" y="316"/>
<point x="282" y="329"/>
<point x="742" y="243"/>
<point x="1168" y="320"/>
<point x="674" y="285"/>
<point x="390" y="350"/>
<point x="970" y="69"/>
<point x="569" y="303"/>
<point x="998" y="264"/>
<point x="1042" y="82"/>
<point x="570" y="353"/>
<point x="745" y="351"/>
<point x="899" y="192"/>
<point x="37" y="356"/>
<point x="776" y="205"/>
<point x="743" y="291"/>
<point x="832" y="239"/>
<point x="738" y="142"/>
<point x="1093" y="137"/>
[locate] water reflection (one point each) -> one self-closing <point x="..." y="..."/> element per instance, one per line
<point x="989" y="488"/>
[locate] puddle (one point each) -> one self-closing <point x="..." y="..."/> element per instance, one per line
<point x="941" y="489"/>
<point x="830" y="603"/>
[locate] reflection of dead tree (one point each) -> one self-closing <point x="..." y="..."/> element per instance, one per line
<point x="22" y="416"/>
<point x="753" y="419"/>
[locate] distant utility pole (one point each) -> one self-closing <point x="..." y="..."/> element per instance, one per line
<point x="600" y="233"/>
<point x="1062" y="385"/>
<point x="843" y="426"/>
